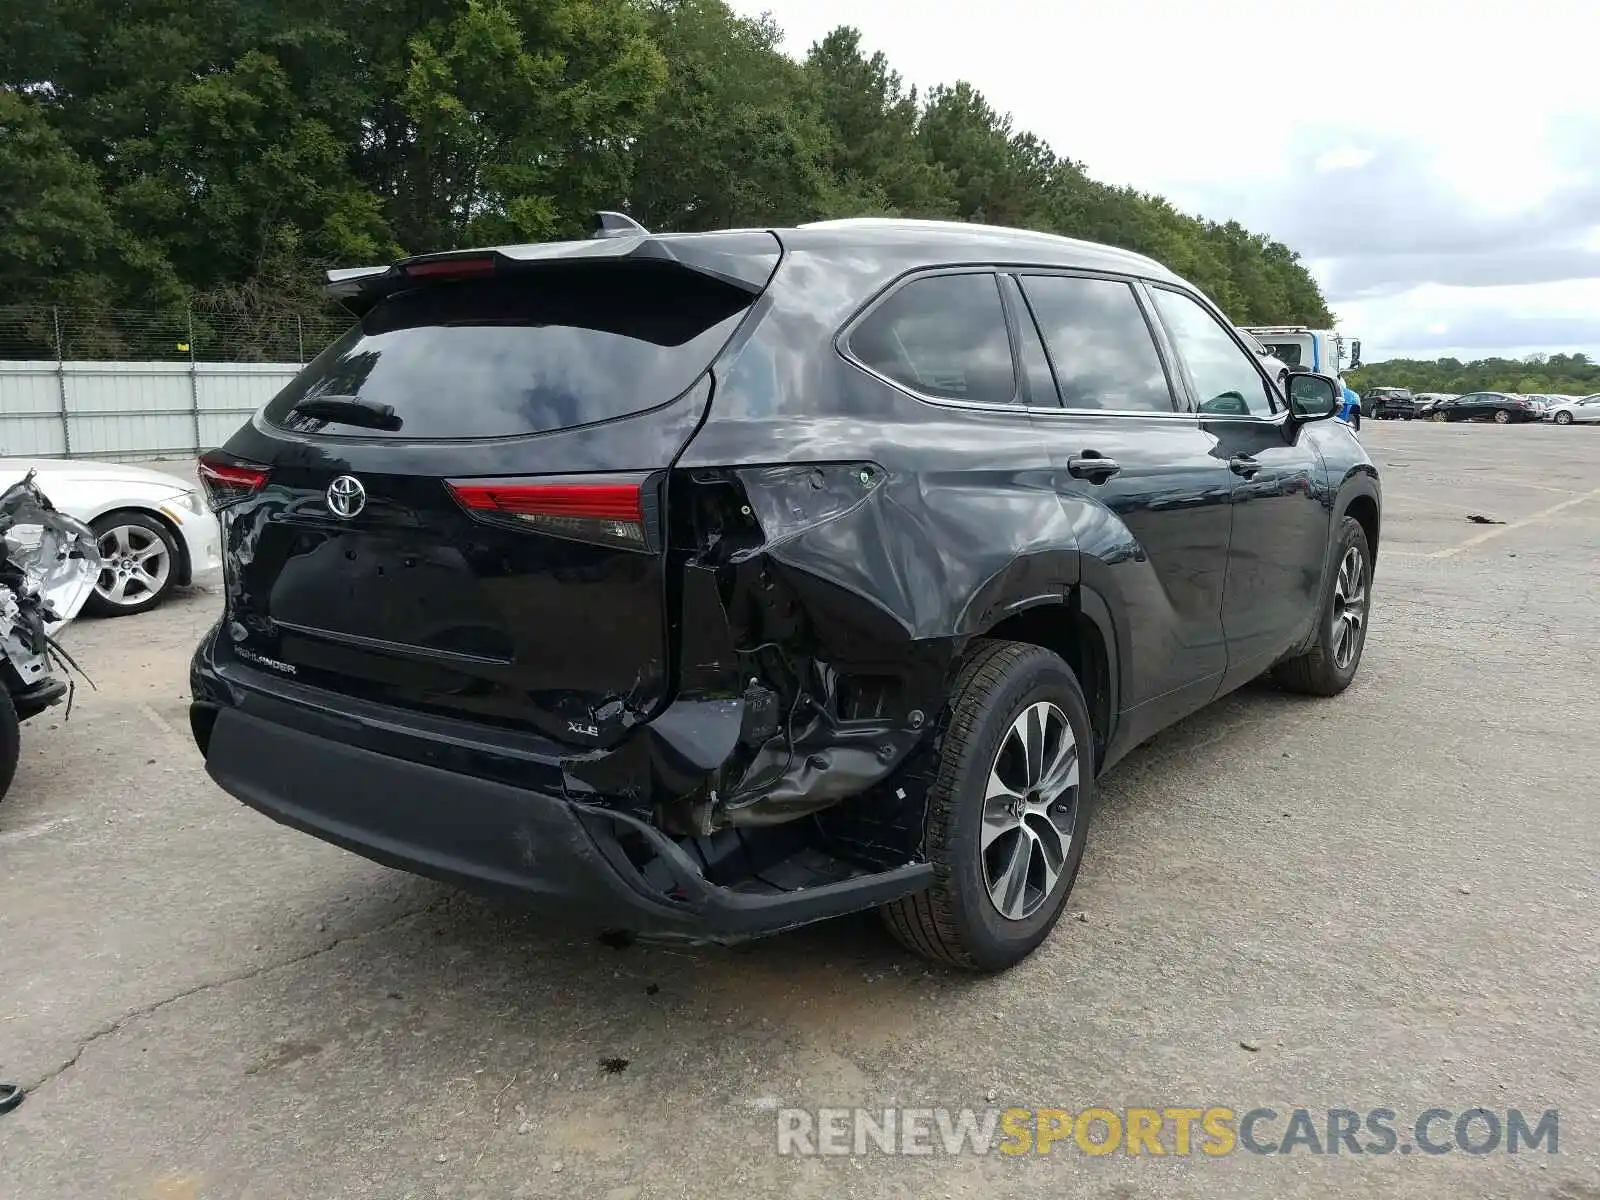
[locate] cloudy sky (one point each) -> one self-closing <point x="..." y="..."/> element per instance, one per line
<point x="1437" y="164"/>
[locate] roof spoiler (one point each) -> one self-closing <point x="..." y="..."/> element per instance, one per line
<point x="744" y="259"/>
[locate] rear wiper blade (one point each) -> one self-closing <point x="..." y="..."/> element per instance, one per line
<point x="349" y="410"/>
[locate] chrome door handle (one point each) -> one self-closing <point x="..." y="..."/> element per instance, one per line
<point x="1243" y="464"/>
<point x="1091" y="466"/>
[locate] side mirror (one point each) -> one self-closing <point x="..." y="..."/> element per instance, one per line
<point x="1313" y="397"/>
<point x="1355" y="353"/>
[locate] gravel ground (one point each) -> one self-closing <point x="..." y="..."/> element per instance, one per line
<point x="1385" y="900"/>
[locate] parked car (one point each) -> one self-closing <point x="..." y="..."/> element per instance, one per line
<point x="712" y="584"/>
<point x="155" y="531"/>
<point x="1573" y="412"/>
<point x="1500" y="407"/>
<point x="1383" y="403"/>
<point x="1426" y="402"/>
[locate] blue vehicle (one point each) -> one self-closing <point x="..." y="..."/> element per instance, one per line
<point x="1350" y="406"/>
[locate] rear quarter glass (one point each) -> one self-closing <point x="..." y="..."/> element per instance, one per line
<point x="530" y="352"/>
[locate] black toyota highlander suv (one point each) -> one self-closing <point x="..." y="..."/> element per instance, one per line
<point x="705" y="585"/>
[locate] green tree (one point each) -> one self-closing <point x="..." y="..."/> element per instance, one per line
<point x="1556" y="374"/>
<point x="223" y="152"/>
<point x="733" y="140"/>
<point x="878" y="164"/>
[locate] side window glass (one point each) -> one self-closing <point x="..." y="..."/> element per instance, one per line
<point x="1039" y="385"/>
<point x="943" y="336"/>
<point x="1224" y="375"/>
<point x="1099" y="343"/>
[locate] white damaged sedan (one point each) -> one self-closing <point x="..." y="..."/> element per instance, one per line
<point x="154" y="530"/>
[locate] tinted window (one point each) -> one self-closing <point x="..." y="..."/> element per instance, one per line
<point x="544" y="350"/>
<point x="1224" y="375"/>
<point x="1099" y="344"/>
<point x="942" y="336"/>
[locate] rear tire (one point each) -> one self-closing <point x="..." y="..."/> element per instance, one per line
<point x="1502" y="417"/>
<point x="1003" y="827"/>
<point x="10" y="742"/>
<point x="1331" y="663"/>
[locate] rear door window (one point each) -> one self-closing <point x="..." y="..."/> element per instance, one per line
<point x="1099" y="344"/>
<point x="536" y="351"/>
<point x="943" y="336"/>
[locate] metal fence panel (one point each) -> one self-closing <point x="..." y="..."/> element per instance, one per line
<point x="129" y="409"/>
<point x="31" y="422"/>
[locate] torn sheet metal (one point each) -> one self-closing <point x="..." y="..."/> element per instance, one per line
<point x="48" y="566"/>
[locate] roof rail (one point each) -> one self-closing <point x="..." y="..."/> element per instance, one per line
<point x="614" y="224"/>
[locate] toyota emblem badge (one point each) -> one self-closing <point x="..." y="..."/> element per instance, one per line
<point x="346" y="496"/>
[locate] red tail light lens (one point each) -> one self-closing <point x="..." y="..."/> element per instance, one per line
<point x="449" y="268"/>
<point x="228" y="480"/>
<point x="609" y="510"/>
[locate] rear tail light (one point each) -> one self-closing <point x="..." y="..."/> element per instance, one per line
<point x="449" y="268"/>
<point x="227" y="480"/>
<point x="611" y="510"/>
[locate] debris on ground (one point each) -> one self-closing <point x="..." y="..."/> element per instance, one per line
<point x="11" y="1095"/>
<point x="1480" y="519"/>
<point x="613" y="1066"/>
<point x="1250" y="1046"/>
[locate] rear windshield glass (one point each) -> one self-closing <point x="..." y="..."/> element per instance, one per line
<point x="538" y="350"/>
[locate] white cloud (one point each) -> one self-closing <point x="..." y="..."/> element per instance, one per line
<point x="1346" y="158"/>
<point x="1481" y="122"/>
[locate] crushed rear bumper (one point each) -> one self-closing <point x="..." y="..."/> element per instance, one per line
<point x="299" y="766"/>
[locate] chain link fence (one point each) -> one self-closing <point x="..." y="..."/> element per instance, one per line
<point x="48" y="333"/>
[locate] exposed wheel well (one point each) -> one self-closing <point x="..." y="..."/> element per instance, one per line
<point x="185" y="568"/>
<point x="1078" y="641"/>
<point x="1365" y="510"/>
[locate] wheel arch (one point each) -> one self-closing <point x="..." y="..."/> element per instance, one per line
<point x="1363" y="506"/>
<point x="1079" y="627"/>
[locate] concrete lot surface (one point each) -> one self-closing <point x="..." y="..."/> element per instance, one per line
<point x="1390" y="898"/>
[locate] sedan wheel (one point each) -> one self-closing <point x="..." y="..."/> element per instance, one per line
<point x="1502" y="417"/>
<point x="138" y="564"/>
<point x="1563" y="418"/>
<point x="1440" y="417"/>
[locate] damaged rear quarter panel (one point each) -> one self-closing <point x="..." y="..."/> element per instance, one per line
<point x="962" y="524"/>
<point x="968" y="515"/>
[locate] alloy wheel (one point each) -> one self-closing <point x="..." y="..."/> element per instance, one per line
<point x="1563" y="418"/>
<point x="1502" y="417"/>
<point x="1349" y="608"/>
<point x="135" y="565"/>
<point x="1030" y="811"/>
